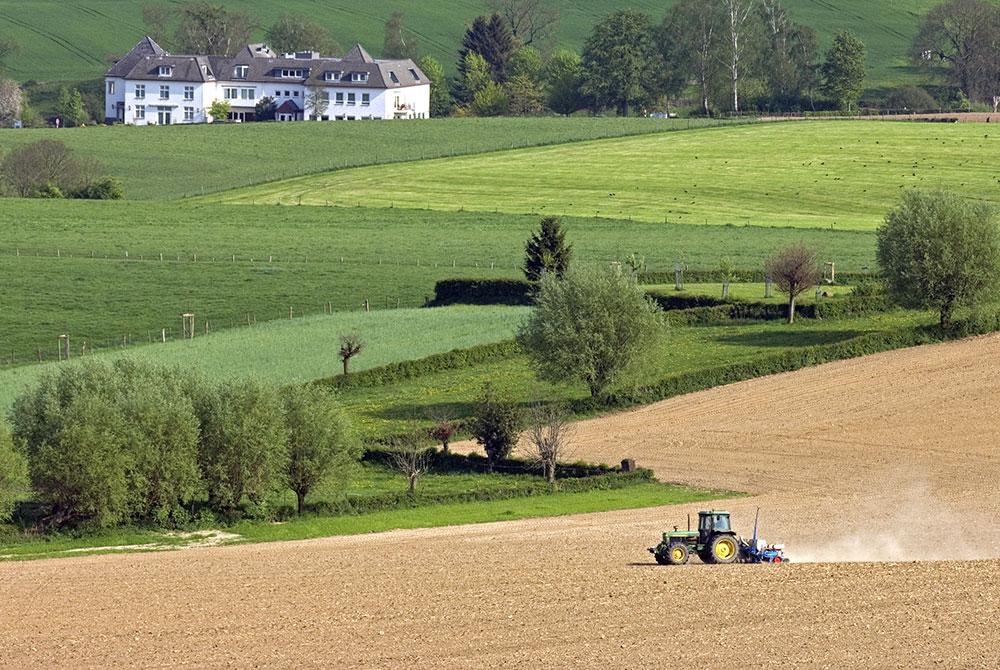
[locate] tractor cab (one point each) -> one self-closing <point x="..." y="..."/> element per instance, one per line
<point x="712" y="522"/>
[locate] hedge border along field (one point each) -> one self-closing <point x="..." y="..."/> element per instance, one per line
<point x="252" y="153"/>
<point x="842" y="175"/>
<point x="65" y="255"/>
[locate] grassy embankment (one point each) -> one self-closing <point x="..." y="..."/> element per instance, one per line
<point x="835" y="175"/>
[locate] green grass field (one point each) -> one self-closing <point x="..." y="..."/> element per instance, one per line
<point x="69" y="39"/>
<point x="294" y="351"/>
<point x="163" y="163"/>
<point x="840" y="175"/>
<point x="388" y="255"/>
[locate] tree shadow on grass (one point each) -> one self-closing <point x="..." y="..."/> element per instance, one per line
<point x="788" y="339"/>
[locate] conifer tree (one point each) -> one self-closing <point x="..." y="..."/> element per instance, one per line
<point x="547" y="251"/>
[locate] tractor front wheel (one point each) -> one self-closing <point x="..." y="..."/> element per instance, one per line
<point x="724" y="550"/>
<point x="677" y="554"/>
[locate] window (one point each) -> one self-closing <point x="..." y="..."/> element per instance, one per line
<point x="340" y="97"/>
<point x="189" y="113"/>
<point x="416" y="76"/>
<point x="165" y="70"/>
<point x="189" y="92"/>
<point x="241" y="71"/>
<point x="140" y="91"/>
<point x="334" y="75"/>
<point x="293" y="73"/>
<point x="140" y="112"/>
<point x="295" y="94"/>
<point x="111" y="88"/>
<point x="393" y="77"/>
<point x="248" y="93"/>
<point x="359" y="76"/>
<point x="288" y="94"/>
<point x="366" y="99"/>
<point x="230" y="93"/>
<point x="351" y="98"/>
<point x="164" y="92"/>
<point x="325" y="95"/>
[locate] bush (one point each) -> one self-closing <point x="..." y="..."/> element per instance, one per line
<point x="13" y="473"/>
<point x="105" y="188"/>
<point x="482" y="292"/>
<point x="911" y="99"/>
<point x="243" y="445"/>
<point x="47" y="169"/>
<point x="496" y="425"/>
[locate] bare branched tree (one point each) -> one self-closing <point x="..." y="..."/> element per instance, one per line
<point x="533" y="22"/>
<point x="443" y="430"/>
<point x="795" y="270"/>
<point x="350" y="346"/>
<point x="549" y="435"/>
<point x="411" y="461"/>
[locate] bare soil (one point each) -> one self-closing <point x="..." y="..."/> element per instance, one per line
<point x="880" y="474"/>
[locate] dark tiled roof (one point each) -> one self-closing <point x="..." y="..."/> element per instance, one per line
<point x="263" y="66"/>
<point x="145" y="47"/>
<point x="287" y="107"/>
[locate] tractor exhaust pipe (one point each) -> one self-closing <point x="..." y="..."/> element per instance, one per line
<point x="689" y="522"/>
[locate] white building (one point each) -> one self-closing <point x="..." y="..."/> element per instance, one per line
<point x="149" y="86"/>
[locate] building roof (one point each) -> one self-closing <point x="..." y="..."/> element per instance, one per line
<point x="287" y="107"/>
<point x="257" y="63"/>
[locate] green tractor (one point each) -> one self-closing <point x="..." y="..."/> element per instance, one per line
<point x="713" y="542"/>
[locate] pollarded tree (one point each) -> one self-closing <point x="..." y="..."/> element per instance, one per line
<point x="547" y="251"/>
<point x="619" y="61"/>
<point x="938" y="250"/>
<point x="496" y="424"/>
<point x="320" y="446"/>
<point x="590" y="326"/>
<point x="350" y="346"/>
<point x="844" y="70"/>
<point x="794" y="271"/>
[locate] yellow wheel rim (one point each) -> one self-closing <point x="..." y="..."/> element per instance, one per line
<point x="678" y="553"/>
<point x="724" y="549"/>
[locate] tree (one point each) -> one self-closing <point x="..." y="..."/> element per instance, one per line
<point x="962" y="37"/>
<point x="11" y="102"/>
<point x="547" y="251"/>
<point x="563" y="76"/>
<point x="320" y="447"/>
<point x="524" y="96"/>
<point x="549" y="433"/>
<point x="219" y="110"/>
<point x="532" y="22"/>
<point x="243" y="451"/>
<point x="156" y="19"/>
<point x="265" y="109"/>
<point x="210" y="29"/>
<point x="496" y="424"/>
<point x="28" y="170"/>
<point x="618" y="61"/>
<point x="440" y="98"/>
<point x="13" y="474"/>
<point x="317" y="101"/>
<point x="474" y="76"/>
<point x="294" y="32"/>
<point x="411" y="461"/>
<point x="396" y="44"/>
<point x="844" y="70"/>
<point x="490" y="37"/>
<point x="490" y="100"/>
<point x="590" y="326"/>
<point x="444" y="429"/>
<point x="350" y="346"/>
<point x="794" y="271"/>
<point x="938" y="250"/>
<point x="70" y="107"/>
<point x="790" y="57"/>
<point x="911" y="99"/>
<point x="737" y="14"/>
<point x="690" y="40"/>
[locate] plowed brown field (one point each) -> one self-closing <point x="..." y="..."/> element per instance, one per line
<point x="892" y="457"/>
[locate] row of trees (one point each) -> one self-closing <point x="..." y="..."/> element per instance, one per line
<point x="129" y="442"/>
<point x="50" y="169"/>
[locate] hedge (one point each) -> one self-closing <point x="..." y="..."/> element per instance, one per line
<point x="738" y="310"/>
<point x="520" y="489"/>
<point x="451" y="360"/>
<point x="743" y="276"/>
<point x="476" y="463"/>
<point x="482" y="292"/>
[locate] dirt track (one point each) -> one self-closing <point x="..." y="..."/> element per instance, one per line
<point x="899" y="447"/>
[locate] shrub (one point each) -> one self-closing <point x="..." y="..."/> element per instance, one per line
<point x="938" y="250"/>
<point x="496" y="424"/>
<point x="911" y="99"/>
<point x="482" y="292"/>
<point x="320" y="446"/>
<point x="46" y="168"/>
<point x="13" y="473"/>
<point x="243" y="445"/>
<point x="590" y="326"/>
<point x="105" y="188"/>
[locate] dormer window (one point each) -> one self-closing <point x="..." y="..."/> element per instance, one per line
<point x="416" y="77"/>
<point x="359" y="76"/>
<point x="293" y="74"/>
<point x="241" y="71"/>
<point x="395" y="79"/>
<point x="334" y="75"/>
<point x="165" y="70"/>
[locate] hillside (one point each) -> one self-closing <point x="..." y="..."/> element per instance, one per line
<point x="69" y="40"/>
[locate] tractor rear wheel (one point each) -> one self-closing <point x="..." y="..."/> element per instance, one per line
<point x="677" y="554"/>
<point x="724" y="549"/>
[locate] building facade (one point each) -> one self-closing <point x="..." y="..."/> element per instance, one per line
<point x="149" y="86"/>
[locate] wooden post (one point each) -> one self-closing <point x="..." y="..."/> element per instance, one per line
<point x="290" y="313"/>
<point x="678" y="277"/>
<point x="768" y="286"/>
<point x="64" y="347"/>
<point x="367" y="305"/>
<point x="725" y="288"/>
<point x="187" y="324"/>
<point x="163" y="335"/>
<point x="831" y="277"/>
